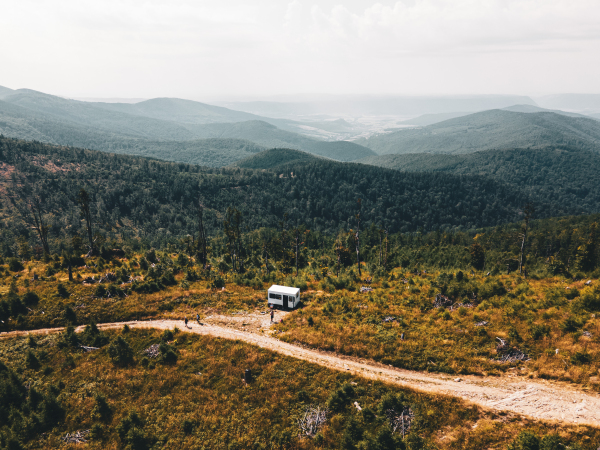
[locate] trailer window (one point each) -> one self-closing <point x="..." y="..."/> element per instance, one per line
<point x="275" y="296"/>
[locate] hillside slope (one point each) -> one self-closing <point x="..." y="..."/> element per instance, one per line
<point x="31" y="115"/>
<point x="566" y="175"/>
<point x="158" y="197"/>
<point x="275" y="158"/>
<point x="495" y="129"/>
<point x="269" y="136"/>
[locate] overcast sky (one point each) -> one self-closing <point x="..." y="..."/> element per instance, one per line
<point x="228" y="48"/>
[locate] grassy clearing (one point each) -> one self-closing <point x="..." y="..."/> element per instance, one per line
<point x="199" y="400"/>
<point x="537" y="316"/>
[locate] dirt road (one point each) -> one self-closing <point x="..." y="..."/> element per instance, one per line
<point x="538" y="399"/>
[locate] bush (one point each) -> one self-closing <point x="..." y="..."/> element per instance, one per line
<point x="131" y="433"/>
<point x="570" y="325"/>
<point x="32" y="361"/>
<point x="167" y="336"/>
<point x="217" y="283"/>
<point x="539" y="331"/>
<point x="68" y="338"/>
<point x="93" y="337"/>
<point x="339" y="398"/>
<point x="102" y="409"/>
<point x="187" y="426"/>
<point x="70" y="315"/>
<point x="14" y="265"/>
<point x="151" y="256"/>
<point x="525" y="441"/>
<point x="580" y="358"/>
<point x="167" y="354"/>
<point x="96" y="432"/>
<point x="120" y="352"/>
<point x="31" y="298"/>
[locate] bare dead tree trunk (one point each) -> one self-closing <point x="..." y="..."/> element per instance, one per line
<point x="31" y="209"/>
<point x="386" y="250"/>
<point x="202" y="256"/>
<point x="266" y="250"/>
<point x="84" y="204"/>
<point x="357" y="238"/>
<point x="528" y="213"/>
<point x="338" y="249"/>
<point x="380" y="247"/>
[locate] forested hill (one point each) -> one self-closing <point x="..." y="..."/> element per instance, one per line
<point x="275" y="158"/>
<point x="495" y="129"/>
<point x="561" y="175"/>
<point x="169" y="129"/>
<point x="136" y="196"/>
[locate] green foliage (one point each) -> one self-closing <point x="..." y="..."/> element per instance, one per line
<point x="14" y="265"/>
<point x="31" y="298"/>
<point x="102" y="410"/>
<point x="525" y="441"/>
<point x="339" y="399"/>
<point x="70" y="315"/>
<point x="69" y="338"/>
<point x="120" y="352"/>
<point x="61" y="291"/>
<point x="167" y="353"/>
<point x="131" y="432"/>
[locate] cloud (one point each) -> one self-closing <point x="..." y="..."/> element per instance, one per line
<point x="141" y="47"/>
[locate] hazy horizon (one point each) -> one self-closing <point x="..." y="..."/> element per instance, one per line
<point x="259" y="49"/>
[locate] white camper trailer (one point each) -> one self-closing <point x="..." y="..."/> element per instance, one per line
<point x="284" y="296"/>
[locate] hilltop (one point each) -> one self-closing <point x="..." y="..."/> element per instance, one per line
<point x="276" y="158"/>
<point x="494" y="129"/>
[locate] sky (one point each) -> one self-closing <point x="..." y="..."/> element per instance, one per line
<point x="256" y="48"/>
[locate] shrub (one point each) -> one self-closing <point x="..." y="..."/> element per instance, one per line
<point x="102" y="409"/>
<point x="167" y="354"/>
<point x="32" y="361"/>
<point x="580" y="358"/>
<point x="100" y="291"/>
<point x="525" y="441"/>
<point x="151" y="256"/>
<point x="339" y="398"/>
<point x="187" y="426"/>
<point x="120" y="352"/>
<point x="552" y="442"/>
<point x="68" y="338"/>
<point x="61" y="291"/>
<point x="14" y="265"/>
<point x="131" y="433"/>
<point x="31" y="298"/>
<point x="167" y="336"/>
<point x="93" y="337"/>
<point x="570" y="325"/>
<point x="96" y="432"/>
<point x="539" y="331"/>
<point x="70" y="315"/>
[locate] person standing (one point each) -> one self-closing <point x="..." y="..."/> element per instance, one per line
<point x="186" y="322"/>
<point x="272" y="315"/>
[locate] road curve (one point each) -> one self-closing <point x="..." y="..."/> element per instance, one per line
<point x="541" y="400"/>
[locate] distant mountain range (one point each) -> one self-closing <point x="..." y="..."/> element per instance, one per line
<point x="170" y="129"/>
<point x="494" y="129"/>
<point x="364" y="105"/>
<point x="430" y="119"/>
